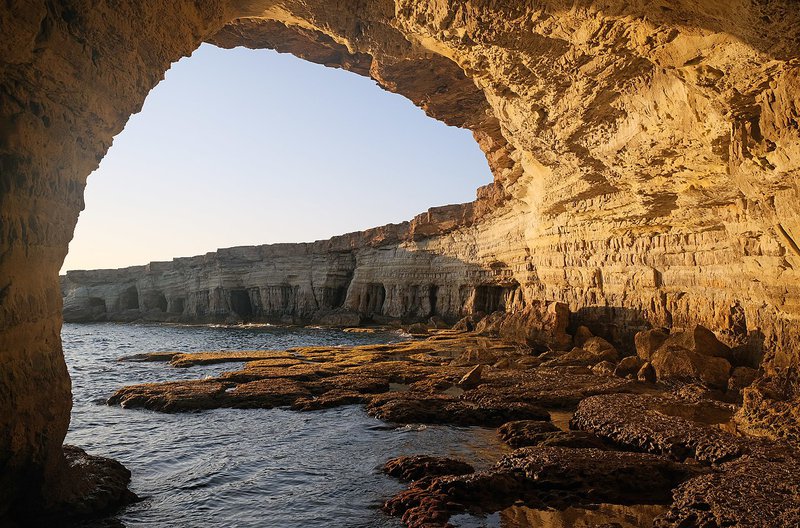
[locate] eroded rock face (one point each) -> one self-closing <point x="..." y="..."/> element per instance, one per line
<point x="645" y="158"/>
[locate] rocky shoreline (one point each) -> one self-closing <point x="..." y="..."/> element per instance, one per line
<point x="652" y="427"/>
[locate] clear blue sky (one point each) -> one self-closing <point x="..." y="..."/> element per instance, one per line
<point x="240" y="147"/>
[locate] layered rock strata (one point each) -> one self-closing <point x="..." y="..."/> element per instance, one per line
<point x="645" y="155"/>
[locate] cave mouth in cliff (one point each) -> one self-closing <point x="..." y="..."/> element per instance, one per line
<point x="241" y="304"/>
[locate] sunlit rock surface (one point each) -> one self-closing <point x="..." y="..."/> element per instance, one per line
<point x="645" y="154"/>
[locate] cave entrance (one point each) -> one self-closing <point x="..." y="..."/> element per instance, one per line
<point x="129" y="299"/>
<point x="433" y="293"/>
<point x="241" y="304"/>
<point x="490" y="298"/>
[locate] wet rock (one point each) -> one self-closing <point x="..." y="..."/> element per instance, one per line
<point x="660" y="425"/>
<point x="542" y="477"/>
<point x="410" y="468"/>
<point x="672" y="363"/>
<point x="525" y="433"/>
<point x="96" y="487"/>
<point x="472" y="378"/>
<point x="604" y="368"/>
<point x="560" y="387"/>
<point x="629" y="367"/>
<point x="648" y="341"/>
<point x="438" y="408"/>
<point x="328" y="400"/>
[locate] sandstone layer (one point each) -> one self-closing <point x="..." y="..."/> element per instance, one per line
<point x="645" y="156"/>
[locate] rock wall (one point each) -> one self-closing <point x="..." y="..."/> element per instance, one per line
<point x="646" y="159"/>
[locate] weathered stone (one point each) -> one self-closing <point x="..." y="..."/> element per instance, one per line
<point x="472" y="378"/>
<point x="579" y="357"/>
<point x="750" y="492"/>
<point x="679" y="364"/>
<point x="426" y="408"/>
<point x="542" y="477"/>
<point x="526" y="433"/>
<point x="604" y="368"/>
<point x="700" y="340"/>
<point x="660" y="425"/>
<point x="629" y="366"/>
<point x="410" y="468"/>
<point x="418" y="330"/>
<point x="771" y="407"/>
<point x="649" y="341"/>
<point x="741" y="378"/>
<point x="647" y="374"/>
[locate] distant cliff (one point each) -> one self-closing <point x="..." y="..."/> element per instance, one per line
<point x="374" y="275"/>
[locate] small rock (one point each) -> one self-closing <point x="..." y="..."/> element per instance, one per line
<point x="418" y="330"/>
<point x="472" y="378"/>
<point x="604" y="368"/>
<point x="647" y="373"/>
<point x="629" y="367"/>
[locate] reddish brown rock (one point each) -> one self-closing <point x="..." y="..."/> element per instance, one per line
<point x="410" y="468"/>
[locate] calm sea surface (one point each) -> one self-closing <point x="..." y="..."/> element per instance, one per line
<point x="242" y="468"/>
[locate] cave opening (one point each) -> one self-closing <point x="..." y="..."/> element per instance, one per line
<point x="177" y="305"/>
<point x="490" y="298"/>
<point x="433" y="292"/>
<point x="129" y="299"/>
<point x="241" y="304"/>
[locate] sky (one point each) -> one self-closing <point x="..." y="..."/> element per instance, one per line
<point x="245" y="147"/>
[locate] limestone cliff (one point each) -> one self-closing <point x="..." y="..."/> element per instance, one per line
<point x="646" y="159"/>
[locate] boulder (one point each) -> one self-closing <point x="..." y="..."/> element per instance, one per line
<point x="699" y="340"/>
<point x="673" y="363"/>
<point x="541" y="325"/>
<point x="343" y="318"/>
<point x="648" y="341"/>
<point x="629" y="367"/>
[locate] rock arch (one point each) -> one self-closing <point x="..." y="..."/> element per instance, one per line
<point x="646" y="155"/>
